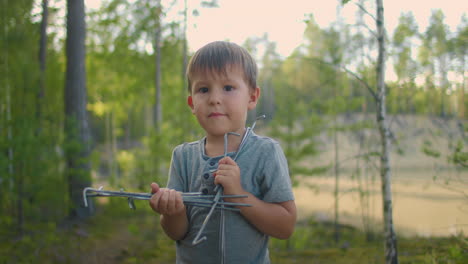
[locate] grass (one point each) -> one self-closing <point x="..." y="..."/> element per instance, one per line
<point x="117" y="234"/>
<point x="313" y="242"/>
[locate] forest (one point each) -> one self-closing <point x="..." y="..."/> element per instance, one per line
<point x="98" y="98"/>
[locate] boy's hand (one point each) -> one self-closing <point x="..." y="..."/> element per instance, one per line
<point x="166" y="201"/>
<point x="228" y="175"/>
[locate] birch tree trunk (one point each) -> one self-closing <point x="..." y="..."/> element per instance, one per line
<point x="76" y="120"/>
<point x="391" y="254"/>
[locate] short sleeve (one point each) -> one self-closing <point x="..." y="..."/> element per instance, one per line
<point x="276" y="186"/>
<point x="176" y="180"/>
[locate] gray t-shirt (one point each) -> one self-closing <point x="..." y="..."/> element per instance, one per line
<point x="264" y="173"/>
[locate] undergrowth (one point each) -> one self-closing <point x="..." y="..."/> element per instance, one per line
<point x="117" y="234"/>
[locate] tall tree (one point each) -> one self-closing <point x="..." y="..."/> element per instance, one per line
<point x="271" y="63"/>
<point x="435" y="45"/>
<point x="334" y="50"/>
<point x="76" y="123"/>
<point x="391" y="253"/>
<point x="42" y="57"/>
<point x="18" y="76"/>
<point x="379" y="95"/>
<point x="405" y="66"/>
<point x="184" y="47"/>
<point x="157" y="51"/>
<point x="460" y="53"/>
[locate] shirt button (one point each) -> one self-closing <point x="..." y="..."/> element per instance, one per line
<point x="206" y="176"/>
<point x="205" y="191"/>
<point x="212" y="163"/>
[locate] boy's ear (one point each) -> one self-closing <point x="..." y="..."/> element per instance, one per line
<point x="254" y="96"/>
<point x="190" y="102"/>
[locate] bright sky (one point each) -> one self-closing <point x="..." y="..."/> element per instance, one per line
<point x="283" y="20"/>
<point x="236" y="20"/>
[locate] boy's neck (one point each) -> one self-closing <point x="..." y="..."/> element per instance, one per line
<point x="214" y="146"/>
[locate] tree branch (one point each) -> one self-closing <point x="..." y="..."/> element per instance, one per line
<point x="372" y="92"/>
<point x="365" y="10"/>
<point x="372" y="32"/>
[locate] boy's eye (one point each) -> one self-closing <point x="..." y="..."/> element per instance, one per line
<point x="203" y="90"/>
<point x="228" y="88"/>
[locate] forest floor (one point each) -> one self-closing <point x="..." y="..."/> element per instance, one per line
<point x="117" y="234"/>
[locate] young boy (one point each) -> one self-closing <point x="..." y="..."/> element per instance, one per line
<point x="222" y="87"/>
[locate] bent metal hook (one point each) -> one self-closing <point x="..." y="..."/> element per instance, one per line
<point x="219" y="189"/>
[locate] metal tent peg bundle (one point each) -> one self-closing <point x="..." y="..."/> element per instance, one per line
<point x="189" y="198"/>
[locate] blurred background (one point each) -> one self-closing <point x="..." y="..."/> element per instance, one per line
<point x="93" y="93"/>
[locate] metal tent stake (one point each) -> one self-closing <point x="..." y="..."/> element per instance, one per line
<point x="190" y="198"/>
<point x="219" y="189"/>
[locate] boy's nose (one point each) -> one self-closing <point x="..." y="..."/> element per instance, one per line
<point x="215" y="97"/>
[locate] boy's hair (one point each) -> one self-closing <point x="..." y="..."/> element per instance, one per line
<point x="216" y="56"/>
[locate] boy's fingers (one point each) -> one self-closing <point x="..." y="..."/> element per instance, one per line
<point x="154" y="188"/>
<point x="179" y="201"/>
<point x="226" y="170"/>
<point x="227" y="160"/>
<point x="218" y="179"/>
<point x="170" y="201"/>
<point x="222" y="172"/>
<point x="154" y="202"/>
<point x="164" y="202"/>
<point x="157" y="202"/>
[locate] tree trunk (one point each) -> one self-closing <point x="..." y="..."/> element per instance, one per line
<point x="184" y="123"/>
<point x="461" y="111"/>
<point x="76" y="121"/>
<point x="391" y="254"/>
<point x="114" y="150"/>
<point x="10" y="138"/>
<point x="42" y="60"/>
<point x="444" y="83"/>
<point x="337" y="183"/>
<point x="19" y="198"/>
<point x="184" y="47"/>
<point x="157" y="105"/>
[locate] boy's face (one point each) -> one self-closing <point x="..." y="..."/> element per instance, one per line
<point x="221" y="101"/>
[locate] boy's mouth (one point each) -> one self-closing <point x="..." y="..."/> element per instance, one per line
<point x="215" y="114"/>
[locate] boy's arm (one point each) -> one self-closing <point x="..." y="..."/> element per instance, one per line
<point x="170" y="205"/>
<point x="274" y="219"/>
<point x="175" y="226"/>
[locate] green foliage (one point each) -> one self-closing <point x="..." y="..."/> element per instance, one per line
<point x="460" y="155"/>
<point x="122" y="97"/>
<point x="405" y="65"/>
<point x="429" y="150"/>
<point x="30" y="144"/>
<point x="313" y="242"/>
<point x="127" y="236"/>
<point x="302" y="94"/>
<point x="295" y="124"/>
